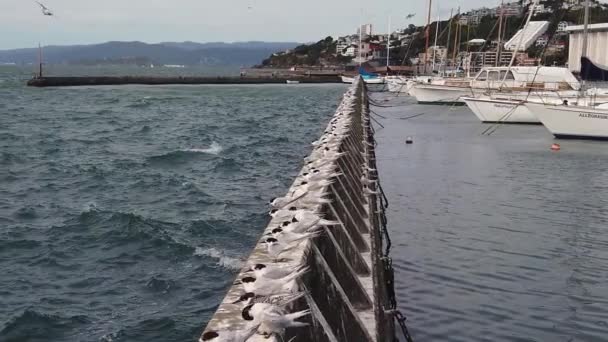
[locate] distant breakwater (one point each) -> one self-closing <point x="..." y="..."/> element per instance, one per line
<point x="59" y="81"/>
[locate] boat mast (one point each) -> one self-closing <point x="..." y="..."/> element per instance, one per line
<point x="585" y="29"/>
<point x="521" y="40"/>
<point x="447" y="49"/>
<point x="456" y="41"/>
<point x="499" y="48"/>
<point x="39" y="61"/>
<point x="436" y="34"/>
<point x="388" y="44"/>
<point x="428" y="27"/>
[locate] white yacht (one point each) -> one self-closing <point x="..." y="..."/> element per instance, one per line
<point x="505" y="103"/>
<point x="573" y="121"/>
<point x="522" y="79"/>
<point x="587" y="118"/>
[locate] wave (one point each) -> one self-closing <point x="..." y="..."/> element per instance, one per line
<point x="25" y="213"/>
<point x="228" y="165"/>
<point x="32" y="325"/>
<point x="185" y="155"/>
<point x="223" y="260"/>
<point x="10" y="159"/>
<point x="116" y="229"/>
<point x="215" y="149"/>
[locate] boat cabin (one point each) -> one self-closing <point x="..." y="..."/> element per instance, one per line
<point x="526" y="78"/>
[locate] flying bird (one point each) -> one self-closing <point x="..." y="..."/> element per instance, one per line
<point x="410" y="16"/>
<point x="45" y="10"/>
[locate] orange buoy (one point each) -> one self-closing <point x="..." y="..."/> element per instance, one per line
<point x="555" y="147"/>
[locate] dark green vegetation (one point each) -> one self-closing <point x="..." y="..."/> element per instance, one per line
<point x="322" y="52"/>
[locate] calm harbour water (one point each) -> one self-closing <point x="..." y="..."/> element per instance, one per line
<point x="495" y="238"/>
<point x="125" y="211"/>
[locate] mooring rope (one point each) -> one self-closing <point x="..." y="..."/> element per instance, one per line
<point x="387" y="261"/>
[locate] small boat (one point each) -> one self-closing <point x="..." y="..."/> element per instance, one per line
<point x="292" y="82"/>
<point x="367" y="80"/>
<point x="347" y="80"/>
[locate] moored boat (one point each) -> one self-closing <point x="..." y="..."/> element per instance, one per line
<point x="367" y="80"/>
<point x="572" y="121"/>
<point x="500" y="110"/>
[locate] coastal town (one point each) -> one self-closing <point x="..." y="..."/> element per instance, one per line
<point x="472" y="39"/>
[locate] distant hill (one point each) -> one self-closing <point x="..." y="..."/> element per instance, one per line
<point x="184" y="53"/>
<point x="321" y="53"/>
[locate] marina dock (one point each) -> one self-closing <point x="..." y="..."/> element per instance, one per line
<point x="349" y="283"/>
<point x="65" y="81"/>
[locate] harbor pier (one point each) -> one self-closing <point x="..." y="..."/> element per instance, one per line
<point x="348" y="286"/>
<point x="73" y="81"/>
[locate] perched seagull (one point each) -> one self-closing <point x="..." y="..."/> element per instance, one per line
<point x="307" y="217"/>
<point x="273" y="271"/>
<point x="45" y="9"/>
<point x="280" y="300"/>
<point x="289" y="238"/>
<point x="313" y="186"/>
<point x="272" y="319"/>
<point x="274" y="247"/>
<point x="283" y="214"/>
<point x="299" y="198"/>
<point x="281" y="202"/>
<point x="229" y="335"/>
<point x="267" y="286"/>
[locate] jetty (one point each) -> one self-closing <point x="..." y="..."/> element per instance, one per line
<point x="73" y="81"/>
<point x="348" y="285"/>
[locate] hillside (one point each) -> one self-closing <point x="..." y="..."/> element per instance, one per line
<point x="321" y="53"/>
<point x="185" y="53"/>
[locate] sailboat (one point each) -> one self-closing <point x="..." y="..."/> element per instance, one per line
<point x="587" y="118"/>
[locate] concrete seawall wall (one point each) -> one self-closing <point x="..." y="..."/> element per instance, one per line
<point x="66" y="81"/>
<point x="346" y="286"/>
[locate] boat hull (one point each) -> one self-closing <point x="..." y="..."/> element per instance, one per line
<point x="490" y="110"/>
<point x="432" y="94"/>
<point x="374" y="80"/>
<point x="572" y="122"/>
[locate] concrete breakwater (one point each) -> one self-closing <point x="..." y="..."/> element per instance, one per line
<point x="71" y="81"/>
<point x="323" y="250"/>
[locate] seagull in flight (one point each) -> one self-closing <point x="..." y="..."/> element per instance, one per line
<point x="45" y="10"/>
<point x="410" y="16"/>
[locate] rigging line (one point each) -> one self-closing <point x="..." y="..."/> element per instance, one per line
<point x="413" y="116"/>
<point x="376" y="121"/>
<point x="371" y="111"/>
<point x="503" y="119"/>
<point x="492" y="128"/>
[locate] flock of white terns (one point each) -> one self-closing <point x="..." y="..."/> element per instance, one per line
<point x="270" y="290"/>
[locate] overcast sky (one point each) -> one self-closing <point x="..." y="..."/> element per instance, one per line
<point x="85" y="21"/>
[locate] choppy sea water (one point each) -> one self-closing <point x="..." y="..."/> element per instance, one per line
<point x="495" y="237"/>
<point x="126" y="211"/>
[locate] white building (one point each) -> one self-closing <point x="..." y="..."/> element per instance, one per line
<point x="351" y="51"/>
<point x="597" y="43"/>
<point x="365" y="31"/>
<point x="342" y="44"/>
<point x="511" y="9"/>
